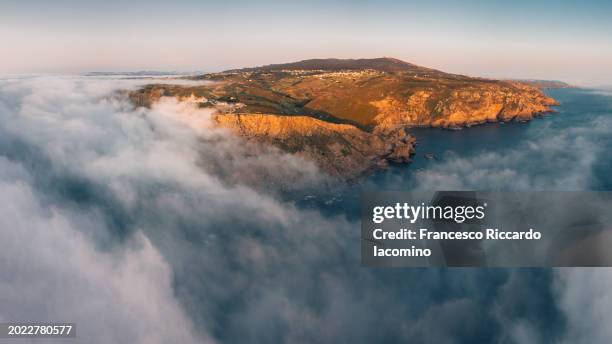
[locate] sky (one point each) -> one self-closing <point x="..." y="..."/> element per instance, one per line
<point x="563" y="40"/>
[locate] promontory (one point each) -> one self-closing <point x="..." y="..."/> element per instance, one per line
<point x="351" y="116"/>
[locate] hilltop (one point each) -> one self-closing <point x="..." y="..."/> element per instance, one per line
<point x="382" y="64"/>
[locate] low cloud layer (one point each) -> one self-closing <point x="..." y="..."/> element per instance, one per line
<point x="149" y="226"/>
<point x="51" y="271"/>
<point x="585" y="298"/>
<point x="170" y="203"/>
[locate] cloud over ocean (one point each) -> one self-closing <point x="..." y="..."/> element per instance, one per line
<point x="149" y="226"/>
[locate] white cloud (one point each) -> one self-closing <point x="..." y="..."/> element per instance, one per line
<point x="149" y="226"/>
<point x="585" y="299"/>
<point x="131" y="171"/>
<point x="51" y="271"/>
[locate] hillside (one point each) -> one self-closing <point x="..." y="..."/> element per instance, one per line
<point x="383" y="64"/>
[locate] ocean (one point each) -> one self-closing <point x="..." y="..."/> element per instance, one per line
<point x="568" y="150"/>
<point x="542" y="153"/>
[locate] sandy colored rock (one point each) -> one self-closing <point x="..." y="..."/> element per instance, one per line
<point x="339" y="149"/>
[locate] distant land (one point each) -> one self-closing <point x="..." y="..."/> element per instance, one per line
<point x="351" y="116"/>
<point x="142" y="73"/>
<point x="544" y="84"/>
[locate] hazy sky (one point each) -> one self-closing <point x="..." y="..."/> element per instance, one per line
<point x="555" y="40"/>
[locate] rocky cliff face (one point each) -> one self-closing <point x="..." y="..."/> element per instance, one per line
<point x="463" y="107"/>
<point x="339" y="149"/>
<point x="351" y="116"/>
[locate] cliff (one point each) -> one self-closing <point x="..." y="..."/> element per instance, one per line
<point x="339" y="149"/>
<point x="350" y="116"/>
<point x="463" y="106"/>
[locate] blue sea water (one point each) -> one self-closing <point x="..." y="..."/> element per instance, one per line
<point x="583" y="121"/>
<point x="568" y="150"/>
